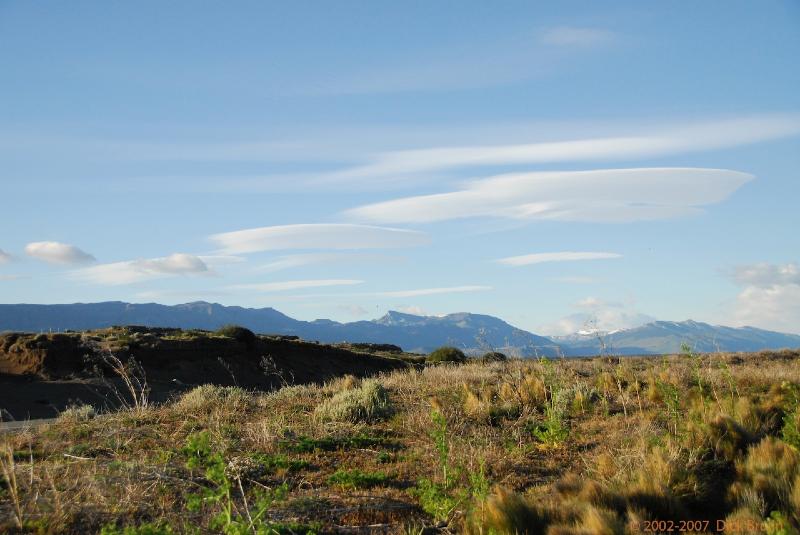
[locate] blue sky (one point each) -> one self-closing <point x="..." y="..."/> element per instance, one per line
<point x="559" y="165"/>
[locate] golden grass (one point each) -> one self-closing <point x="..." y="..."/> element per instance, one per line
<point x="643" y="442"/>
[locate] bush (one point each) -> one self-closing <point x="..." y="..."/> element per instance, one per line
<point x="206" y="397"/>
<point x="494" y="356"/>
<point x="447" y="354"/>
<point x="238" y="333"/>
<point x="77" y="413"/>
<point x="367" y="403"/>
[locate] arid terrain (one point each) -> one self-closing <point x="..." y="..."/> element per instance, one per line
<point x="606" y="445"/>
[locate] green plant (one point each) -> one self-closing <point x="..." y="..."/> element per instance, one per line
<point x="479" y="483"/>
<point x="790" y="432"/>
<point x="142" y="529"/>
<point x="697" y="373"/>
<point x="447" y="354"/>
<point x="553" y="430"/>
<point x="442" y="444"/>
<point x="358" y="479"/>
<point x="304" y="444"/>
<point x="273" y="463"/>
<point x="778" y="524"/>
<point x="200" y="456"/>
<point x="671" y="396"/>
<point x="435" y="499"/>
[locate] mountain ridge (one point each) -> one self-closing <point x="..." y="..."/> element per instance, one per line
<point x="415" y="333"/>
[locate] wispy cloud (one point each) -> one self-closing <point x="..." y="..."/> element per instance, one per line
<point x="308" y="259"/>
<point x="433" y="291"/>
<point x="5" y="257"/>
<point x="419" y="292"/>
<point x="654" y="142"/>
<point x="575" y="36"/>
<point x="316" y="236"/>
<point x="54" y="252"/>
<point x="480" y="64"/>
<point x="283" y="286"/>
<point x="607" y="195"/>
<point x="539" y="258"/>
<point x="131" y="271"/>
<point x="575" y="280"/>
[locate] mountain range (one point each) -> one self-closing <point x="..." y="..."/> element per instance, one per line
<point x="473" y="332"/>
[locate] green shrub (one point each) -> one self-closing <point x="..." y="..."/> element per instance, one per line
<point x="367" y="403"/>
<point x="304" y="444"/>
<point x="447" y="354"/>
<point x="237" y="332"/>
<point x="494" y="356"/>
<point x="273" y="463"/>
<point x="357" y="479"/>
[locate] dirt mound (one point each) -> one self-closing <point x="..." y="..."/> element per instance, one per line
<point x="42" y="355"/>
<point x="186" y="356"/>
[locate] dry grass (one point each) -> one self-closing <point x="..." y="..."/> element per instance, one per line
<point x="589" y="446"/>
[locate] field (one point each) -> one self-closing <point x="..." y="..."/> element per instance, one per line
<point x="570" y="446"/>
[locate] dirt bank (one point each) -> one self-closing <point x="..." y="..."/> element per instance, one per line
<point x="41" y="374"/>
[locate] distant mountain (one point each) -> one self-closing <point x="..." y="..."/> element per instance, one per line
<point x="661" y="337"/>
<point x="473" y="332"/>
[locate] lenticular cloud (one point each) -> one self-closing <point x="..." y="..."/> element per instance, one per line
<point x="605" y="195"/>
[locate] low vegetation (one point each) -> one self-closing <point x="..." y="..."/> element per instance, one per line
<point x="505" y="446"/>
<point x="447" y="354"/>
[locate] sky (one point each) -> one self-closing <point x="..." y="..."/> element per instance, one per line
<point x="560" y="165"/>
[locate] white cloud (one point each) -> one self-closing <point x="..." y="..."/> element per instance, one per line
<point x="538" y="258"/>
<point x="307" y="259"/>
<point x="575" y="280"/>
<point x="58" y="253"/>
<point x="770" y="298"/>
<point x="316" y="236"/>
<point x="774" y="307"/>
<point x="433" y="291"/>
<point x="597" y="315"/>
<point x="283" y="286"/>
<point x="765" y="275"/>
<point x="354" y="310"/>
<point x="12" y="277"/>
<point x="649" y="143"/>
<point x="221" y="260"/>
<point x="572" y="36"/>
<point x="5" y="257"/>
<point x="411" y="309"/>
<point x="594" y="302"/>
<point x="603" y="320"/>
<point x="132" y="271"/>
<point x="607" y="195"/>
